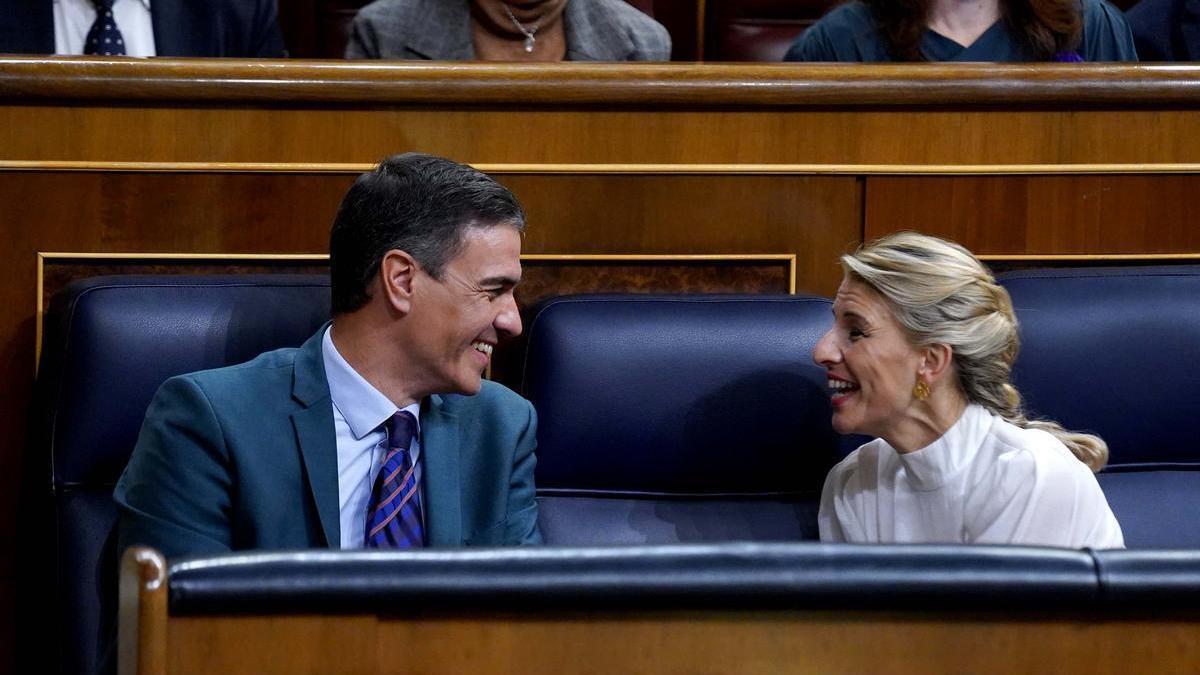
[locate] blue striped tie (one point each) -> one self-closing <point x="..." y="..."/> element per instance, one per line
<point x="394" y="512"/>
<point x="104" y="38"/>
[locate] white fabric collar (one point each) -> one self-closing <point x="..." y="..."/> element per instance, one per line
<point x="933" y="465"/>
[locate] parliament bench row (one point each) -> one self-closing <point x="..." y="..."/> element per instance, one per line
<point x="662" y="419"/>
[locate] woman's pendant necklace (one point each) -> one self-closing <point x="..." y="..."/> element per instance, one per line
<point x="529" y="33"/>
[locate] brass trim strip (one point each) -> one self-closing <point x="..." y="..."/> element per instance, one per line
<point x="38" y="315"/>
<point x="313" y="257"/>
<point x="1081" y="257"/>
<point x="655" y="257"/>
<point x="42" y="257"/>
<point x="619" y="169"/>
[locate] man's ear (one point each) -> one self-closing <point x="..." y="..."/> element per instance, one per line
<point x="397" y="273"/>
<point x="935" y="362"/>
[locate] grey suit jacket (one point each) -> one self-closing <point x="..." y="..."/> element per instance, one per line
<point x="440" y="30"/>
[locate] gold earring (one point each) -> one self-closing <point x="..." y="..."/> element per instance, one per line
<point x="921" y="390"/>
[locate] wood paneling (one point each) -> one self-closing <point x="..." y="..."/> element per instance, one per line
<point x="1042" y="214"/>
<point x="513" y="135"/>
<point x="679" y="643"/>
<point x="926" y="86"/>
<point x="811" y="217"/>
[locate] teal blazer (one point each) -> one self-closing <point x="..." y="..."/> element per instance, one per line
<point x="245" y="457"/>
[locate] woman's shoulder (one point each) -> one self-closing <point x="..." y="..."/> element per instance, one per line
<point x="394" y="12"/>
<point x="848" y="15"/>
<point x="1106" y="33"/>
<point x="600" y="19"/>
<point x="1029" y="457"/>
<point x="848" y="32"/>
<point x="1102" y="10"/>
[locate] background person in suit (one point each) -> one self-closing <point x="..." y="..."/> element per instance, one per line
<point x="382" y="412"/>
<point x="233" y="28"/>
<point x="1166" y="30"/>
<point x="493" y="30"/>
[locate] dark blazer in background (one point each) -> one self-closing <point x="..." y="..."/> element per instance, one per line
<point x="1166" y="30"/>
<point x="245" y="457"/>
<point x="440" y="30"/>
<point x="235" y="28"/>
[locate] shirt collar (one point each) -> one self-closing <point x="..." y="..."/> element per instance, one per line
<point x="363" y="406"/>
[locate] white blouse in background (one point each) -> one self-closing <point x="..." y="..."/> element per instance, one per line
<point x="985" y="481"/>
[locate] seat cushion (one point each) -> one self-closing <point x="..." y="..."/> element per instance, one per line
<point x="1116" y="352"/>
<point x="680" y="418"/>
<point x="110" y="342"/>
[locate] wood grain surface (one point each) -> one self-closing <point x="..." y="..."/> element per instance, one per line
<point x="1132" y="214"/>
<point x="568" y="84"/>
<point x="681" y="643"/>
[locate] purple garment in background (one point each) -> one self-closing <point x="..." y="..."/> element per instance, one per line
<point x="1068" y="56"/>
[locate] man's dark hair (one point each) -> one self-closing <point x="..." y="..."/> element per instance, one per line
<point x="419" y="204"/>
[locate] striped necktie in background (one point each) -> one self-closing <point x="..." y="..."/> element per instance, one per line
<point x="104" y="38"/>
<point x="394" y="512"/>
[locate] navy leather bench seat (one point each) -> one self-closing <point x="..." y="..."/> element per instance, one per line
<point x="1116" y="352"/>
<point x="679" y="418"/>
<point x="109" y="343"/>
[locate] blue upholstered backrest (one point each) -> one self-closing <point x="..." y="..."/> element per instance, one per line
<point x="110" y="342"/>
<point x="679" y="418"/>
<point x="1117" y="352"/>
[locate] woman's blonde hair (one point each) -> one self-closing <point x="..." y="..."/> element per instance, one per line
<point x="941" y="294"/>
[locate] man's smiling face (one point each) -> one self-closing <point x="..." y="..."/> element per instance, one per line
<point x="459" y="318"/>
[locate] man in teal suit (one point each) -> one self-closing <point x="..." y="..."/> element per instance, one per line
<point x="286" y="451"/>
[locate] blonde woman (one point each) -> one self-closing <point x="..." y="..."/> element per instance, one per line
<point x="919" y="356"/>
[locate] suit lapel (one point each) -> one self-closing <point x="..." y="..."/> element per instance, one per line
<point x="315" y="434"/>
<point x="443" y="488"/>
<point x="26" y="26"/>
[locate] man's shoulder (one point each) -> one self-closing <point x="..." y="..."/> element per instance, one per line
<point x="269" y="370"/>
<point x="492" y="398"/>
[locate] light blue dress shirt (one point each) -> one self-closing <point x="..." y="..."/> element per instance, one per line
<point x="359" y="412"/>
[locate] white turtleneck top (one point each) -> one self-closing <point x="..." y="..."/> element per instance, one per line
<point x="985" y="481"/>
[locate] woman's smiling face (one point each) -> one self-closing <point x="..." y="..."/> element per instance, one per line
<point x="871" y="365"/>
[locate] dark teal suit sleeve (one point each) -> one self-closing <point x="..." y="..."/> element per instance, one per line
<point x="522" y="525"/>
<point x="175" y="494"/>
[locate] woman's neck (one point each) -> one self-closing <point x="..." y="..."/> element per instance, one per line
<point x="518" y="31"/>
<point x="926" y="421"/>
<point x="516" y="19"/>
<point x="963" y="20"/>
